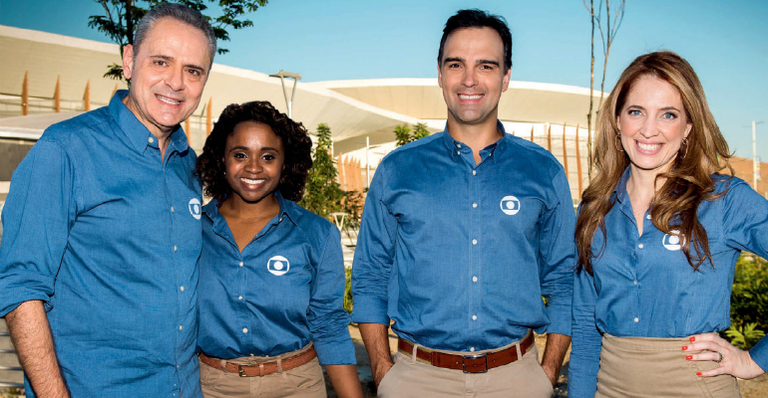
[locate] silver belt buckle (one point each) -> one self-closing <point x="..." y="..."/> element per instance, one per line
<point x="464" y="362"/>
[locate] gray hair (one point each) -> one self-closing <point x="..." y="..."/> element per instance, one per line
<point x="180" y="13"/>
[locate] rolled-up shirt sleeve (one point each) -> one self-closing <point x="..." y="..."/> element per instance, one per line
<point x="38" y="214"/>
<point x="374" y="255"/>
<point x="746" y="228"/>
<point x="328" y="322"/>
<point x="558" y="257"/>
<point x="586" y="339"/>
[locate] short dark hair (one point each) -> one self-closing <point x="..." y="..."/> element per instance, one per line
<point x="478" y="19"/>
<point x="180" y="13"/>
<point x="296" y="144"/>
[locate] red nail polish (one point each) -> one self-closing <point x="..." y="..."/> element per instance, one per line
<point x="692" y="339"/>
<point x="689" y="357"/>
<point x="685" y="347"/>
<point x="698" y="373"/>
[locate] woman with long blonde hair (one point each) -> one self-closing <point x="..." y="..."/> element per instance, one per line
<point x="658" y="233"/>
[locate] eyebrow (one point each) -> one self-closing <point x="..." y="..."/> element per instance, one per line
<point x="244" y="148"/>
<point x="479" y="62"/>
<point x="666" y="108"/>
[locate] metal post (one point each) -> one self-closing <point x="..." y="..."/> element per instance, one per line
<point x="754" y="154"/>
<point x="288" y="101"/>
<point x="367" y="163"/>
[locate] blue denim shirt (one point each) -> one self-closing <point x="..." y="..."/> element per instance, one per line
<point x="643" y="285"/>
<point x="459" y="254"/>
<point x="284" y="290"/>
<point x="106" y="234"/>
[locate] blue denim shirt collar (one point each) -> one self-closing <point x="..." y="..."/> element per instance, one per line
<point x="138" y="135"/>
<point x="620" y="192"/>
<point x="457" y="148"/>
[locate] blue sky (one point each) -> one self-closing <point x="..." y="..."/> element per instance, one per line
<point x="725" y="41"/>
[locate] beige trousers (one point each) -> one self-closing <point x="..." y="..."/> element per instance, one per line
<point x="305" y="381"/>
<point x="639" y="367"/>
<point x="409" y="378"/>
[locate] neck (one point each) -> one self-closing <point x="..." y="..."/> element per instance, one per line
<point x="642" y="184"/>
<point x="235" y="206"/>
<point x="476" y="136"/>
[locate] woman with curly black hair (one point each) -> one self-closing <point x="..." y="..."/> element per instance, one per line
<point x="271" y="273"/>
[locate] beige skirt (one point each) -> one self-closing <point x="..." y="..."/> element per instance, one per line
<point x="654" y="367"/>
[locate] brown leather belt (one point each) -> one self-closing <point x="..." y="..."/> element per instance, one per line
<point x="260" y="369"/>
<point x="468" y="363"/>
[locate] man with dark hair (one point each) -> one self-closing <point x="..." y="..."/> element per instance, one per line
<point x="460" y="253"/>
<point x="103" y="230"/>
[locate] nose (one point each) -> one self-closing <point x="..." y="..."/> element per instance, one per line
<point x="649" y="128"/>
<point x="175" y="79"/>
<point x="469" y="78"/>
<point x="253" y="165"/>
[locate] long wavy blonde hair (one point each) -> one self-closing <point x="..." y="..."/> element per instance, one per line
<point x="686" y="184"/>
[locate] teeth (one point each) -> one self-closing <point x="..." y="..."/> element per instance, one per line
<point x="648" y="147"/>
<point x="470" y="97"/>
<point x="250" y="181"/>
<point x="168" y="100"/>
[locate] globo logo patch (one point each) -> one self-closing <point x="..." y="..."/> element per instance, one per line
<point x="671" y="242"/>
<point x="194" y="208"/>
<point x="510" y="205"/>
<point x="278" y="265"/>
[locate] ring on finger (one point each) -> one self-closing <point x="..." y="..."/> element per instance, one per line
<point x="720" y="359"/>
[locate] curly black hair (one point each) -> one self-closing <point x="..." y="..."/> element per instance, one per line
<point x="296" y="142"/>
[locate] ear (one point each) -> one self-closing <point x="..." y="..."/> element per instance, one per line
<point x="688" y="129"/>
<point x="128" y="61"/>
<point x="439" y="76"/>
<point x="505" y="80"/>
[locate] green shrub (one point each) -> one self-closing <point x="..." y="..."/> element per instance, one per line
<point x="348" y="290"/>
<point x="749" y="301"/>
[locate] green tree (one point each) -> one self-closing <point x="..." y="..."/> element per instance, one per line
<point x="402" y="135"/>
<point x="121" y="17"/>
<point x="324" y="194"/>
<point x="420" y="131"/>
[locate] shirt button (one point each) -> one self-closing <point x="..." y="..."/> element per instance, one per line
<point x="458" y="145"/>
<point x="472" y="349"/>
<point x="637" y="319"/>
<point x="640" y="246"/>
<point x="241" y="263"/>
<point x="474" y="317"/>
<point x="635" y="281"/>
<point x="648" y="216"/>
<point x="474" y="205"/>
<point x="245" y="330"/>
<point x="181" y="288"/>
<point x="174" y="247"/>
<point x="172" y="209"/>
<point x="474" y="279"/>
<point x="181" y="327"/>
<point x="474" y="172"/>
<point x="151" y="140"/>
<point x="474" y="241"/>
<point x="239" y="297"/>
<point x="458" y="153"/>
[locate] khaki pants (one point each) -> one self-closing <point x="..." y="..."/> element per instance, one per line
<point x="305" y="381"/>
<point x="409" y="378"/>
<point x="639" y="367"/>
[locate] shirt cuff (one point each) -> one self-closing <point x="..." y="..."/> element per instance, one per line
<point x="337" y="352"/>
<point x="759" y="354"/>
<point x="370" y="309"/>
<point x="559" y="319"/>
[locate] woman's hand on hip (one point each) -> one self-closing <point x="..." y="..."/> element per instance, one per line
<point x="730" y="359"/>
